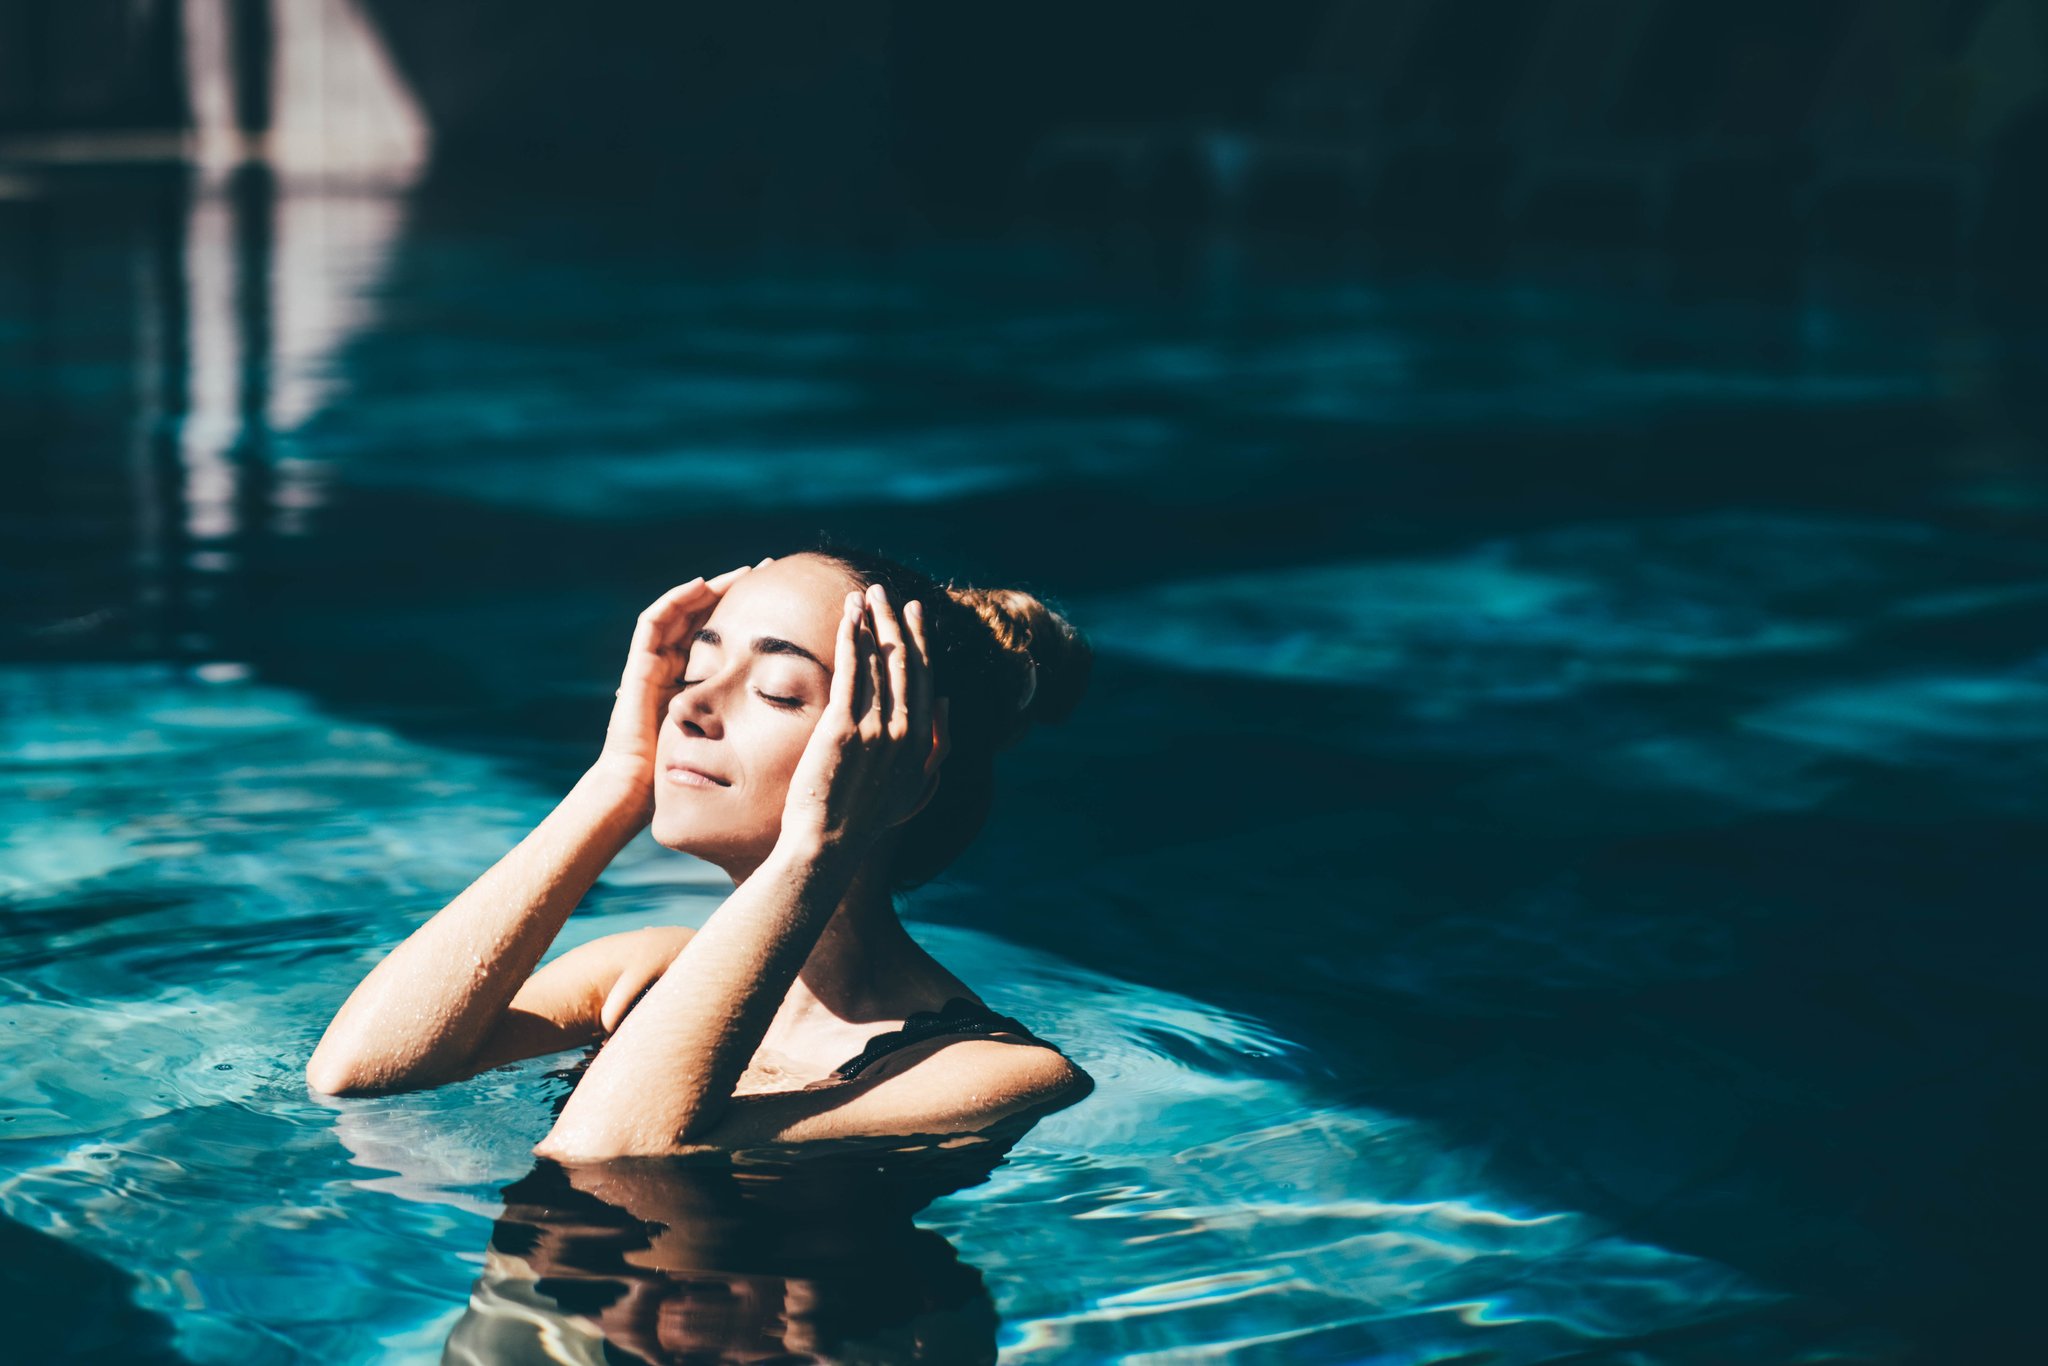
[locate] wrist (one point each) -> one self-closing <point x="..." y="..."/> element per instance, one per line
<point x="817" y="856"/>
<point x="615" y="792"/>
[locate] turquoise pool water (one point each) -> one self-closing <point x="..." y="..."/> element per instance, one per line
<point x="1547" y="872"/>
<point x="207" y="867"/>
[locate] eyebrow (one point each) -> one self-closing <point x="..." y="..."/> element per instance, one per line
<point x="765" y="645"/>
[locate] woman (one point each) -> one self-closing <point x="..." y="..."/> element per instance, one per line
<point x="823" y="728"/>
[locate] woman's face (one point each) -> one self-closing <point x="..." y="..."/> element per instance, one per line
<point x="755" y="684"/>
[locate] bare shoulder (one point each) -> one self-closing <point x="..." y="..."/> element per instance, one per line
<point x="578" y="996"/>
<point x="940" y="1086"/>
<point x="1017" y="1073"/>
<point x="958" y="1083"/>
<point x="1000" y="1072"/>
<point x="592" y="969"/>
<point x="670" y="935"/>
<point x="606" y="955"/>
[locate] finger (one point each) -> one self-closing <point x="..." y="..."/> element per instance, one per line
<point x="919" y="666"/>
<point x="685" y="606"/>
<point x="871" y="667"/>
<point x="844" y="658"/>
<point x="650" y="630"/>
<point x="678" y="623"/>
<point x="895" y="665"/>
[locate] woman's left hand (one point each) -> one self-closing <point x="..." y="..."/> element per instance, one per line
<point x="869" y="763"/>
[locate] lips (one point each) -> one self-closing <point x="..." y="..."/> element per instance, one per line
<point x="676" y="770"/>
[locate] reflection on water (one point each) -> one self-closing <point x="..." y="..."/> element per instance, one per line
<point x="746" y="1259"/>
<point x="273" y="287"/>
<point x="752" y="1255"/>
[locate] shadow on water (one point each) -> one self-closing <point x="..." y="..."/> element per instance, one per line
<point x="1610" y="745"/>
<point x="58" y="1303"/>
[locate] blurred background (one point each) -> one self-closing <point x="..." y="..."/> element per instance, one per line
<point x="1557" y="489"/>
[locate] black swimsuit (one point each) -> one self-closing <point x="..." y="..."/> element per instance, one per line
<point x="959" y="1016"/>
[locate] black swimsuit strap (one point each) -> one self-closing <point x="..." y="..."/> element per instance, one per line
<point x="960" y="1016"/>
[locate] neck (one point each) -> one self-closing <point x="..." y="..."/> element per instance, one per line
<point x="862" y="958"/>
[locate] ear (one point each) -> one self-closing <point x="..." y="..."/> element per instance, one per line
<point x="931" y="788"/>
<point x="942" y="744"/>
<point x="942" y="734"/>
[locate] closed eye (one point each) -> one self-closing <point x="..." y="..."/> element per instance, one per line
<point x="778" y="701"/>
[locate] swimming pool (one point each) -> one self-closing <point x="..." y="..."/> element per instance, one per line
<point x="1542" y="875"/>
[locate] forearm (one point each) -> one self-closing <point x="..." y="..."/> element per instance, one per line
<point x="428" y="1006"/>
<point x="668" y="1072"/>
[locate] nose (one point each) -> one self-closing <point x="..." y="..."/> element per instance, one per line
<point x="697" y="706"/>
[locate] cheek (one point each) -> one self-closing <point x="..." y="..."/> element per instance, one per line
<point x="767" y="750"/>
<point x="783" y="756"/>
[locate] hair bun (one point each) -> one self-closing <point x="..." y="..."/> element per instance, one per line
<point x="1051" y="661"/>
<point x="1002" y="659"/>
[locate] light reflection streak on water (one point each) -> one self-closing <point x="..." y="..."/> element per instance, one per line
<point x="213" y="416"/>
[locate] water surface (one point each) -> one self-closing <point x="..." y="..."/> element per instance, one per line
<point x="1548" y="869"/>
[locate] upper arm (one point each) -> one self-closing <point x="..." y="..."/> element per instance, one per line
<point x="562" y="1005"/>
<point x="962" y="1087"/>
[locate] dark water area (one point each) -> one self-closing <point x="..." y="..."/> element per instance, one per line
<point x="1596" y="708"/>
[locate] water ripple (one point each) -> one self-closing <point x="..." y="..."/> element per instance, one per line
<point x="209" y="904"/>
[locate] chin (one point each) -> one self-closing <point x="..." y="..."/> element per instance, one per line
<point x="685" y="837"/>
<point x="677" y="831"/>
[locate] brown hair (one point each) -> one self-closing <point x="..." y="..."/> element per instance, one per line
<point x="990" y="648"/>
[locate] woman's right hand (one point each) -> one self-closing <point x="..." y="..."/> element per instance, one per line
<point x="654" y="663"/>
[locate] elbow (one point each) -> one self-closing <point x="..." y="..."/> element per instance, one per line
<point x="606" y="1142"/>
<point x="336" y="1071"/>
<point x="329" y="1079"/>
<point x="555" y="1150"/>
<point x="566" y="1148"/>
<point x="330" y="1076"/>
